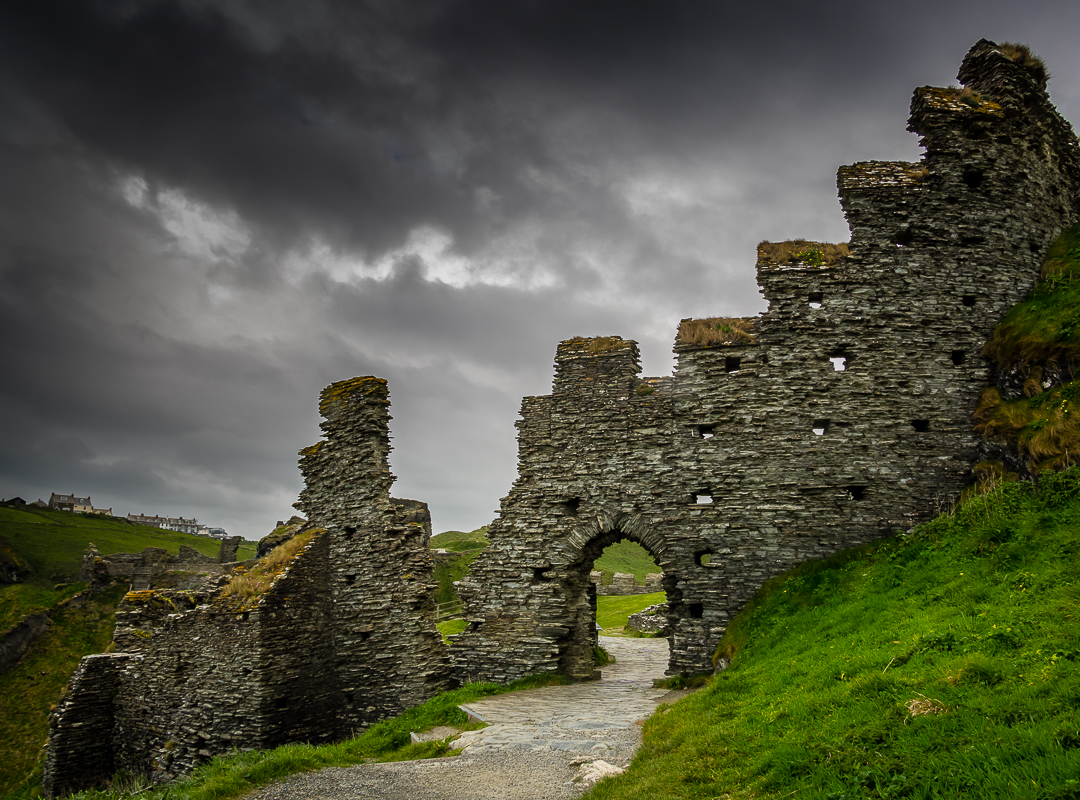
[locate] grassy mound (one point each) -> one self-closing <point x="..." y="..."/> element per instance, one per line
<point x="944" y="664"/>
<point x="626" y="556"/>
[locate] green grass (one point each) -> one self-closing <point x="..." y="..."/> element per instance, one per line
<point x="611" y="611"/>
<point x="21" y="600"/>
<point x="52" y="542"/>
<point x="944" y="664"/>
<point x="460" y="541"/>
<point x="237" y="774"/>
<point x="449" y="627"/>
<point x="1045" y="327"/>
<point x="31" y="688"/>
<point x="626" y="556"/>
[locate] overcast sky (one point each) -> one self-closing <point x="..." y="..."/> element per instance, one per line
<point x="211" y="210"/>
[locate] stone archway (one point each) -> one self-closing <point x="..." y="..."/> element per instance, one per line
<point x="575" y="556"/>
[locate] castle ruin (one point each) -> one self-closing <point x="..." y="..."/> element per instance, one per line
<point x="840" y="416"/>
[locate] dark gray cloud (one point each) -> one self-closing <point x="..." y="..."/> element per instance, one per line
<point x="210" y="210"/>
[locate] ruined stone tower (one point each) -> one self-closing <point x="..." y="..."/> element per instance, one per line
<point x="344" y="637"/>
<point x="757" y="456"/>
<point x="388" y="656"/>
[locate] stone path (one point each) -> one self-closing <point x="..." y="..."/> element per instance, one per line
<point x="591" y="718"/>
<point x="535" y="743"/>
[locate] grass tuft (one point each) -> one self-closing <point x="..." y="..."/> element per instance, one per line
<point x="716" y="331"/>
<point x="249" y="584"/>
<point x="802" y="251"/>
<point x="1025" y="57"/>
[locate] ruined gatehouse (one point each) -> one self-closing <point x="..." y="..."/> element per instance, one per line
<point x="839" y="416"/>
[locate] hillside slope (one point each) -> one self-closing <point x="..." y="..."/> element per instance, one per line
<point x="943" y="664"/>
<point x="52" y="542"/>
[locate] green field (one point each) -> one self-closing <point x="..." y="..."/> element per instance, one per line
<point x="52" y="542"/>
<point x="611" y="612"/>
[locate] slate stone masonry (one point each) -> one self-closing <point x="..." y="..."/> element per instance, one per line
<point x="750" y="459"/>
<point x="344" y="637"/>
<point x="847" y="419"/>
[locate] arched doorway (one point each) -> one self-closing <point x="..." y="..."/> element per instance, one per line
<point x="576" y="648"/>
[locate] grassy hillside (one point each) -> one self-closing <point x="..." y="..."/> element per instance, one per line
<point x="460" y="541"/>
<point x="52" y="542"/>
<point x="626" y="556"/>
<point x="31" y="688"/>
<point x="1038" y="345"/>
<point x="944" y="664"/>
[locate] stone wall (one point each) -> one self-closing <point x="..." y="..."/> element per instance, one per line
<point x="755" y="457"/>
<point x="343" y="637"/>
<point x="143" y="570"/>
<point x="624" y="584"/>
<point x="388" y="654"/>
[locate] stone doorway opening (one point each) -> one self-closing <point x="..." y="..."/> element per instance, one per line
<point x="581" y="590"/>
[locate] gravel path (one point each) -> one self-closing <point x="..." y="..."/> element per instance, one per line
<point x="535" y="744"/>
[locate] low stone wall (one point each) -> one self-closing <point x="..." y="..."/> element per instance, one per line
<point x="623" y="584"/>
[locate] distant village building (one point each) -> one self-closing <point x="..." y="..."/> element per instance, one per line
<point x="178" y="524"/>
<point x="69" y="502"/>
<point x="213" y="533"/>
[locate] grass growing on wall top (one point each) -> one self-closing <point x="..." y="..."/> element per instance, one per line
<point x="247" y="584"/>
<point x="945" y="664"/>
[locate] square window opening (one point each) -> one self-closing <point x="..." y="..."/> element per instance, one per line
<point x="857" y="492"/>
<point x="821" y="427"/>
<point x="839" y="363"/>
<point x="697" y="610"/>
<point x="816" y="299"/>
<point x="959" y="357"/>
<point x="920" y="425"/>
<point x="968" y="300"/>
<point x="703" y="557"/>
<point x="706" y="431"/>
<point x="731" y="364"/>
<point x="703" y="499"/>
<point x="571" y="506"/>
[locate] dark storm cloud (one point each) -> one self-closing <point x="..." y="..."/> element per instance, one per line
<point x="210" y="210"/>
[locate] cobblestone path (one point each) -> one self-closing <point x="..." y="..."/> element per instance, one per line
<point x="593" y="718"/>
<point x="536" y="741"/>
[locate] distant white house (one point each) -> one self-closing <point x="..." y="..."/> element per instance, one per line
<point x="212" y="532"/>
<point x="179" y="524"/>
